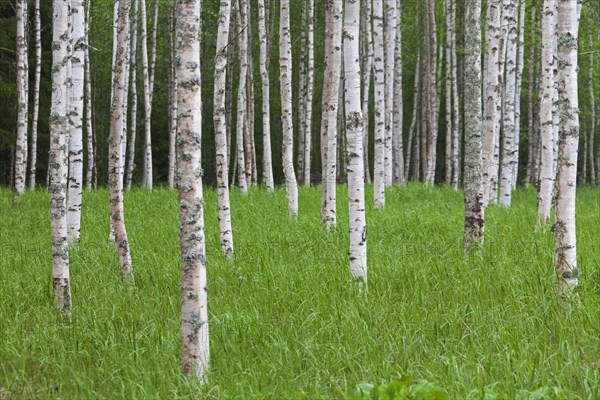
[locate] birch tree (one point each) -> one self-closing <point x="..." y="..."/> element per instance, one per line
<point x="117" y="121"/>
<point x="379" y="72"/>
<point x="241" y="98"/>
<point x="398" y="119"/>
<point x="36" y="94"/>
<point x="592" y="128"/>
<point x="285" y="70"/>
<point x="75" y="190"/>
<point x="367" y="71"/>
<point x="354" y="125"/>
<point x="431" y="104"/>
<point x="22" y="98"/>
<point x="88" y="102"/>
<point x="508" y="137"/>
<point x="518" y="86"/>
<point x="310" y="81"/>
<point x="195" y="352"/>
<point x="333" y="50"/>
<point x="58" y="165"/>
<point x="147" y="172"/>
<point x="134" y="97"/>
<point x="226" y="234"/>
<point x="566" y="177"/>
<point x="266" y="111"/>
<point x="546" y="115"/>
<point x="390" y="29"/>
<point x="474" y="208"/>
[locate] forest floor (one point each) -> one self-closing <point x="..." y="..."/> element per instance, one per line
<point x="285" y="322"/>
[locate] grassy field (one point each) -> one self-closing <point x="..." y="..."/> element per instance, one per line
<point x="284" y="320"/>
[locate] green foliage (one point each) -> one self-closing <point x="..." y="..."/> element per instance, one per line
<point x="284" y="321"/>
<point x="401" y="389"/>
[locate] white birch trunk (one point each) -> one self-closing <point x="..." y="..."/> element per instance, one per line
<point x="456" y="125"/>
<point x="88" y="102"/>
<point x="241" y="97"/>
<point x="354" y="125"/>
<point x="59" y="163"/>
<point x="22" y="98"/>
<point x="519" y="80"/>
<point x="147" y="171"/>
<point x="226" y="235"/>
<point x="546" y="114"/>
<point x="431" y="95"/>
<point x="449" y="135"/>
<point x="474" y="208"/>
<point x="413" y="130"/>
<point x="114" y="157"/>
<point x="380" y="108"/>
<point x="590" y="152"/>
<point x="36" y="94"/>
<point x="390" y="29"/>
<point x="310" y="82"/>
<point x="564" y="228"/>
<point x="285" y="66"/>
<point x="173" y="105"/>
<point x="329" y="127"/>
<point x="508" y="137"/>
<point x="134" y="96"/>
<point x="397" y="144"/>
<point x="367" y="72"/>
<point x="75" y="190"/>
<point x="266" y="111"/>
<point x="195" y="352"/>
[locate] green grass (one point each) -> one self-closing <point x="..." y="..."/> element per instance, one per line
<point x="285" y="322"/>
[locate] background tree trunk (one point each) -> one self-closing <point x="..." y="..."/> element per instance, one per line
<point x="310" y="82"/>
<point x="91" y="150"/>
<point x="241" y="98"/>
<point x="22" y="98"/>
<point x="380" y="97"/>
<point x="266" y="111"/>
<point x="36" y="94"/>
<point x="390" y="29"/>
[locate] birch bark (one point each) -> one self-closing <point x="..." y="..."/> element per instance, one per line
<point x="134" y="96"/>
<point x="354" y="125"/>
<point x="266" y="111"/>
<point x="474" y="208"/>
<point x="225" y="230"/>
<point x="241" y="98"/>
<point x="22" y="98"/>
<point x="58" y="163"/>
<point x="310" y="79"/>
<point x="91" y="150"/>
<point x="115" y="154"/>
<point x="390" y="28"/>
<point x="380" y="97"/>
<point x="195" y="352"/>
<point x="36" y="94"/>
<point x="285" y="69"/>
<point x="566" y="180"/>
<point x="367" y="72"/>
<point x="546" y="114"/>
<point x="147" y="168"/>
<point x="397" y="140"/>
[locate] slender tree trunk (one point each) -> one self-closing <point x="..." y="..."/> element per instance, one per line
<point x="397" y="140"/>
<point x="330" y="111"/>
<point x="431" y="95"/>
<point x="300" y="101"/>
<point x="474" y="208"/>
<point x="546" y="114"/>
<point x="390" y="29"/>
<point x="58" y="165"/>
<point x="229" y="87"/>
<point x="380" y="108"/>
<point x="147" y="172"/>
<point x="519" y="80"/>
<point x="195" y="353"/>
<point x="173" y="100"/>
<point x="22" y="98"/>
<point x="367" y="72"/>
<point x="248" y="126"/>
<point x="36" y="94"/>
<point x="456" y="125"/>
<point x="75" y="190"/>
<point x="310" y="82"/>
<point x="508" y="137"/>
<point x="114" y="159"/>
<point x="226" y="234"/>
<point x="413" y="131"/>
<point x="354" y="125"/>
<point x="266" y="111"/>
<point x="449" y="134"/>
<point x="88" y="103"/>
<point x="564" y="228"/>
<point x="285" y="66"/>
<point x="592" y="101"/>
<point x="134" y="97"/>
<point x="531" y="137"/>
<point x="241" y="103"/>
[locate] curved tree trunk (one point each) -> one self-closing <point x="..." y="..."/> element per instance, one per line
<point x="354" y="125"/>
<point x="195" y="352"/>
<point x="566" y="250"/>
<point x="285" y="66"/>
<point x="474" y="208"/>
<point x="59" y="162"/>
<point x="226" y="234"/>
<point x="117" y="121"/>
